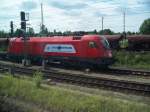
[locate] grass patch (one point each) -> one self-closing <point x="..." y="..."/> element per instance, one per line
<point x="132" y="59"/>
<point x="61" y="100"/>
<point x="8" y="104"/>
<point x="3" y="48"/>
<point x="38" y="78"/>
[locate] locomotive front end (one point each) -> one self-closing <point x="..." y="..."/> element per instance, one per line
<point x="107" y="58"/>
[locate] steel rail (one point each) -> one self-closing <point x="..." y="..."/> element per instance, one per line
<point x="128" y="72"/>
<point x="111" y="70"/>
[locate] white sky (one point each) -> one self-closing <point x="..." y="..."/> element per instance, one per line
<point x="76" y="15"/>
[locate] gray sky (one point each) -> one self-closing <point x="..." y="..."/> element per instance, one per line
<point x="76" y="15"/>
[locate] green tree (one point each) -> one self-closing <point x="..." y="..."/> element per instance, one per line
<point x="130" y="33"/>
<point x="67" y="33"/>
<point x="44" y="30"/>
<point x="95" y="31"/>
<point x="145" y="27"/>
<point x="3" y="34"/>
<point x="30" y="32"/>
<point x="37" y="77"/>
<point x="106" y="32"/>
<point x="18" y="33"/>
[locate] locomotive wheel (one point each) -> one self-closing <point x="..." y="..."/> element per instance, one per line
<point x="26" y="62"/>
<point x="44" y="63"/>
<point x="23" y="62"/>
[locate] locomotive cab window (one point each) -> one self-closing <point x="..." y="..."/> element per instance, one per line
<point x="105" y="43"/>
<point x="92" y="44"/>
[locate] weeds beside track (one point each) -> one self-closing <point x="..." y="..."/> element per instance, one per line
<point x="85" y="80"/>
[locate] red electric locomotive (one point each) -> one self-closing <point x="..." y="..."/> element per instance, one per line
<point x="87" y="50"/>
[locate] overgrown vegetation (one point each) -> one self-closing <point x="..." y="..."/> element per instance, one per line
<point x="56" y="99"/>
<point x="38" y="78"/>
<point x="3" y="34"/>
<point x="132" y="59"/>
<point x="15" y="105"/>
<point x="145" y="27"/>
<point x="3" y="48"/>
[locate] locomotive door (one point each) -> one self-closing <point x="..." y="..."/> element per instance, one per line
<point x="92" y="49"/>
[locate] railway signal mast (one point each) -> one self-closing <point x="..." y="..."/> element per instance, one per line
<point x="24" y="17"/>
<point x="11" y="29"/>
<point x="23" y="22"/>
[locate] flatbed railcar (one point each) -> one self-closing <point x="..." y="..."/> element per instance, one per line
<point x="86" y="50"/>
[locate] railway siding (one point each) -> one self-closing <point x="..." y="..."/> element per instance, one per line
<point x="86" y="80"/>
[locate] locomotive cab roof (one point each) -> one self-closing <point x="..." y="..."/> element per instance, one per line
<point x="61" y="38"/>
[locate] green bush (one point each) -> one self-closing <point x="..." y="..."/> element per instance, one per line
<point x="132" y="59"/>
<point x="56" y="99"/>
<point x="3" y="48"/>
<point x="37" y="77"/>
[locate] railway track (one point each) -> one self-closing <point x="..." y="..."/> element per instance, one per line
<point x="119" y="71"/>
<point x="84" y="80"/>
<point x="110" y="71"/>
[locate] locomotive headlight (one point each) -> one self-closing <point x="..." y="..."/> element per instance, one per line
<point x="109" y="54"/>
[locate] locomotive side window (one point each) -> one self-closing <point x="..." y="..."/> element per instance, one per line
<point x="105" y="43"/>
<point x="92" y="44"/>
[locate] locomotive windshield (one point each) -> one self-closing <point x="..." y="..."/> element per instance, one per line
<point x="92" y="44"/>
<point x="105" y="43"/>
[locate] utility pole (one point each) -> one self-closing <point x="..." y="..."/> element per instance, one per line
<point x="42" y="31"/>
<point x="102" y="23"/>
<point x="23" y="32"/>
<point x="124" y="24"/>
<point x="42" y="19"/>
<point x="23" y="15"/>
